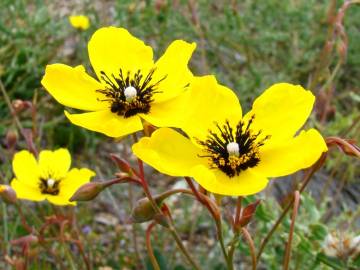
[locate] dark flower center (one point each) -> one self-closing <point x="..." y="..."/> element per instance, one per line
<point x="233" y="150"/>
<point x="49" y="186"/>
<point x="130" y="94"/>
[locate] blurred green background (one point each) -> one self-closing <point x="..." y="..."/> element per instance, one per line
<point x="248" y="45"/>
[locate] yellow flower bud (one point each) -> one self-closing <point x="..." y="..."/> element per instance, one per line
<point x="79" y="22"/>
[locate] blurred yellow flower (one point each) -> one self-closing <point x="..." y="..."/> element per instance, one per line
<point x="48" y="178"/>
<point x="233" y="155"/>
<point x="130" y="86"/>
<point x="81" y="22"/>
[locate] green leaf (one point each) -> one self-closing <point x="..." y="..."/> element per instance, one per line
<point x="318" y="231"/>
<point x="160" y="259"/>
<point x="330" y="261"/>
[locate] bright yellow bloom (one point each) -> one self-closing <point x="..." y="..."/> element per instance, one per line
<point x="233" y="155"/>
<point x="48" y="178"/>
<point x="130" y="86"/>
<point x="81" y="22"/>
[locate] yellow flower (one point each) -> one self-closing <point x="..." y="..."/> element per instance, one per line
<point x="48" y="178"/>
<point x="130" y="86"/>
<point x="233" y="155"/>
<point x="81" y="22"/>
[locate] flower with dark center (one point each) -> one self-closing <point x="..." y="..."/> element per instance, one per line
<point x="48" y="178"/>
<point x="128" y="95"/>
<point x="233" y="150"/>
<point x="231" y="154"/>
<point x="130" y="85"/>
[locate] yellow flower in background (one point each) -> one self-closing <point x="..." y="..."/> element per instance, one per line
<point x="231" y="154"/>
<point x="130" y="85"/>
<point x="48" y="178"/>
<point x="79" y="22"/>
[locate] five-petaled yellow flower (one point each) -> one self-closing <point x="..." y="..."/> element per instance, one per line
<point x="130" y="86"/>
<point x="81" y="22"/>
<point x="231" y="154"/>
<point x="48" y="178"/>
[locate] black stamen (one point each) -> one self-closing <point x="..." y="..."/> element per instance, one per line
<point x="215" y="147"/>
<point x="115" y="87"/>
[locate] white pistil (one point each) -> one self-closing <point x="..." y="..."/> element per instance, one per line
<point x="130" y="93"/>
<point x="50" y="182"/>
<point x="233" y="149"/>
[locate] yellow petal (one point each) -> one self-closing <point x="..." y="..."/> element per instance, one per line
<point x="293" y="155"/>
<point x="246" y="183"/>
<point x="281" y="111"/>
<point x="54" y="164"/>
<point x="168" y="152"/>
<point x="79" y="21"/>
<point x="168" y="113"/>
<point x="26" y="192"/>
<point x="106" y="122"/>
<point x="73" y="87"/>
<point x="73" y="180"/>
<point x="112" y="49"/>
<point x="173" y="66"/>
<point x="26" y="168"/>
<point x="208" y="102"/>
<point x="59" y="200"/>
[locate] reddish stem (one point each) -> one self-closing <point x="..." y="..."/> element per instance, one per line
<point x="292" y="226"/>
<point x="149" y="247"/>
<point x="250" y="242"/>
<point x="309" y="173"/>
<point x="202" y="198"/>
<point x="238" y="209"/>
<point x="23" y="220"/>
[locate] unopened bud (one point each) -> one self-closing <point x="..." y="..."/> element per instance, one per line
<point x="144" y="211"/>
<point x="87" y="192"/>
<point x="122" y="164"/>
<point x="90" y="190"/>
<point x="11" y="138"/>
<point x="20" y="105"/>
<point x="7" y="194"/>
